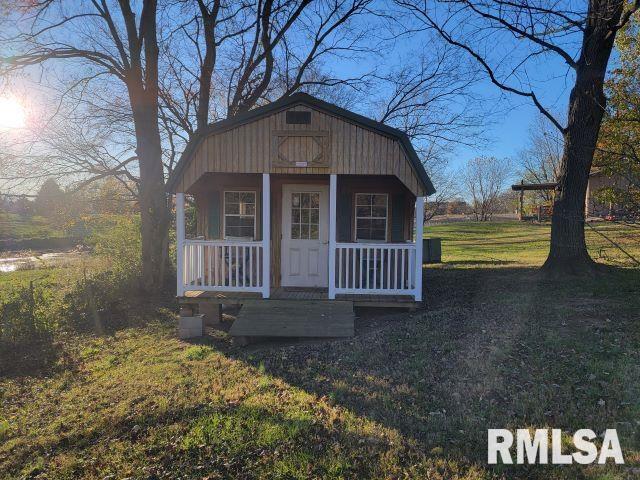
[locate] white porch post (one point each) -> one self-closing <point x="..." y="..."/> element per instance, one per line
<point x="180" y="243"/>
<point x="266" y="235"/>
<point x="418" y="258"/>
<point x="333" y="186"/>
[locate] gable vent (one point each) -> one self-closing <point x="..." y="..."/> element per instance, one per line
<point x="299" y="118"/>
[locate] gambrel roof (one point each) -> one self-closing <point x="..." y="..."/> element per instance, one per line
<point x="338" y="141"/>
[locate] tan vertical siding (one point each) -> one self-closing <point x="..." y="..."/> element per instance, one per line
<point x="349" y="149"/>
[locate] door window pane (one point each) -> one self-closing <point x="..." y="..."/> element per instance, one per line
<point x="305" y="216"/>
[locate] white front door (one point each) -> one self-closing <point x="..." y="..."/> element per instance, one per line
<point x="305" y="235"/>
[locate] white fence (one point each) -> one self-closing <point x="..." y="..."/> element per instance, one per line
<point x="386" y="268"/>
<point x="222" y="265"/>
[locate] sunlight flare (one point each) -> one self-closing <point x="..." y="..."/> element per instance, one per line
<point x="12" y="113"/>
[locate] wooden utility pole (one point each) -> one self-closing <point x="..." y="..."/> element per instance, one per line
<point x="520" y="214"/>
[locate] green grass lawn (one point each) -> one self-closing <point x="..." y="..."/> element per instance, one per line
<point x="411" y="396"/>
<point x="60" y="277"/>
<point x="18" y="227"/>
<point x="527" y="244"/>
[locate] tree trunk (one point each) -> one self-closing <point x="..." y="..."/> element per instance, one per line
<point x="568" y="250"/>
<point x="154" y="214"/>
<point x="209" y="20"/>
<point x="142" y="85"/>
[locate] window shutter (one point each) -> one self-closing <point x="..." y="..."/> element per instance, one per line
<point x="215" y="212"/>
<point x="397" y="218"/>
<point x="344" y="214"/>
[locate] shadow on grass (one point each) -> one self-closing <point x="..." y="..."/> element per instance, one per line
<point x="47" y="354"/>
<point x="237" y="441"/>
<point x="493" y="348"/>
<point x="480" y="262"/>
<point x="36" y="358"/>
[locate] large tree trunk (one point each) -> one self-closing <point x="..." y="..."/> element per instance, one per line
<point x="568" y="250"/>
<point x="142" y="86"/>
<point x="153" y="204"/>
<point x="209" y="20"/>
<point x="154" y="213"/>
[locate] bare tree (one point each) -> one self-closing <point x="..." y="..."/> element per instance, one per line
<point x="485" y="179"/>
<point x="242" y="54"/>
<point x="540" y="159"/>
<point x="102" y="61"/>
<point x="130" y="83"/>
<point x="106" y="40"/>
<point x="432" y="99"/>
<point x="447" y="189"/>
<point x="430" y="96"/>
<point x="582" y="38"/>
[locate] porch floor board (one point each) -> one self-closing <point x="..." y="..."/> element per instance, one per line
<point x="285" y="318"/>
<point x="297" y="293"/>
<point x="219" y="297"/>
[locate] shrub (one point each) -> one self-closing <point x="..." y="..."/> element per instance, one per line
<point x="27" y="316"/>
<point x="117" y="239"/>
<point x="97" y="303"/>
<point x="28" y="319"/>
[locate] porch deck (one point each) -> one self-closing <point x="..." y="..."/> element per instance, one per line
<point x="285" y="318"/>
<point x="295" y="293"/>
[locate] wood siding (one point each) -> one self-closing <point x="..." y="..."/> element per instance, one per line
<point x="329" y="144"/>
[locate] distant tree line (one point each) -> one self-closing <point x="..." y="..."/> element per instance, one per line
<point x="51" y="201"/>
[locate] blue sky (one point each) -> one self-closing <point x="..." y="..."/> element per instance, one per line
<point x="511" y="116"/>
<point x="507" y="128"/>
<point x="508" y="131"/>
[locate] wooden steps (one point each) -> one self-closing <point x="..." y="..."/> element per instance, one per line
<point x="292" y="318"/>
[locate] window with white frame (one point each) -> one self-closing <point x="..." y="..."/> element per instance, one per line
<point x="239" y="214"/>
<point x="371" y="216"/>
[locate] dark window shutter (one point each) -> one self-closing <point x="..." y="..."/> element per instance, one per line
<point x="343" y="216"/>
<point x="215" y="212"/>
<point x="299" y="118"/>
<point x="397" y="218"/>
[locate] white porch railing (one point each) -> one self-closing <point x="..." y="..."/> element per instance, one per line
<point x="354" y="268"/>
<point x="224" y="265"/>
<point x="375" y="268"/>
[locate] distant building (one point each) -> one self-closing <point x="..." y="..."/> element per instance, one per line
<point x="597" y="181"/>
<point x="593" y="206"/>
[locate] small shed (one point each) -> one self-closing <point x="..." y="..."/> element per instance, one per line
<point x="301" y="199"/>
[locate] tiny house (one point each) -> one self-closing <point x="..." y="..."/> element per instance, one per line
<point x="301" y="200"/>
